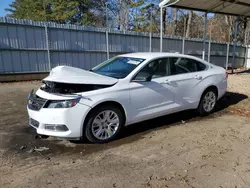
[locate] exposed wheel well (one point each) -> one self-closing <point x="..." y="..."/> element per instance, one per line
<point x="111" y="103"/>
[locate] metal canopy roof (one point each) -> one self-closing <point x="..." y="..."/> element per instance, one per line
<point x="230" y="7"/>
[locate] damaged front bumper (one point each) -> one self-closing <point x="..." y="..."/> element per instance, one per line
<point x="58" y="122"/>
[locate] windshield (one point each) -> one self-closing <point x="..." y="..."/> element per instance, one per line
<point x="118" y="67"/>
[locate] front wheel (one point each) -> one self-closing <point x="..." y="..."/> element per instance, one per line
<point x="103" y="124"/>
<point x="207" y="102"/>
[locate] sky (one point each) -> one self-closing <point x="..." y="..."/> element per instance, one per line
<point x="4" y="4"/>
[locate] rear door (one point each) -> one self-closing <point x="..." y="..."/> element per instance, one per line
<point x="186" y="76"/>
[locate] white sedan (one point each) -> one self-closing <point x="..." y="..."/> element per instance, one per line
<point x="73" y="103"/>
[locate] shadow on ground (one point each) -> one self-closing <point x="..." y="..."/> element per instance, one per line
<point x="26" y="136"/>
<point x="179" y="118"/>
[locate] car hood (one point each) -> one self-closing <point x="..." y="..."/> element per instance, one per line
<point x="66" y="74"/>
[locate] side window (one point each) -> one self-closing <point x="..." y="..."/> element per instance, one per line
<point x="184" y="65"/>
<point x="156" y="68"/>
<point x="175" y="68"/>
<point x="201" y="66"/>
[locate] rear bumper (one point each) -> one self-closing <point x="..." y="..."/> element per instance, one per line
<point x="222" y="89"/>
<point x="73" y="118"/>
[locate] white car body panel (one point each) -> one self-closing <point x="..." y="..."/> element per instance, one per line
<point x="66" y="74"/>
<point x="72" y="117"/>
<point x="51" y="96"/>
<point x="158" y="98"/>
<point x="139" y="100"/>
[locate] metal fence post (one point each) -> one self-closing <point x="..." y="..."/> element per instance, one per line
<point x="183" y="45"/>
<point x="107" y="43"/>
<point x="184" y="37"/>
<point x="204" y="37"/>
<point x="107" y="34"/>
<point x="161" y="32"/>
<point x="47" y="44"/>
<point x="235" y="41"/>
<point x="246" y="49"/>
<point x="150" y="42"/>
<point x="246" y="55"/>
<point x="150" y="34"/>
<point x="209" y="51"/>
<point x="228" y="48"/>
<point x="209" y="45"/>
<point x="227" y="58"/>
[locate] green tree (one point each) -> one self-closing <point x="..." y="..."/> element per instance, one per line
<point x="145" y="16"/>
<point x="63" y="11"/>
<point x="29" y="9"/>
<point x="82" y="12"/>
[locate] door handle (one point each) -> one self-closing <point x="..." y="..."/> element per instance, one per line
<point x="198" y="77"/>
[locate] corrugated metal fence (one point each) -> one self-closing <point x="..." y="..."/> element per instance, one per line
<point x="24" y="46"/>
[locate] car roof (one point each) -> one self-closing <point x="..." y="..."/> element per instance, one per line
<point x="152" y="55"/>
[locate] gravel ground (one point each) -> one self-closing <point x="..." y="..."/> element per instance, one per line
<point x="179" y="150"/>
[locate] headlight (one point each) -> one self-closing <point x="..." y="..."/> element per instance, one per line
<point x="63" y="104"/>
<point x="30" y="94"/>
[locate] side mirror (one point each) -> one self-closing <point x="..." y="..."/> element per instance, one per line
<point x="143" y="77"/>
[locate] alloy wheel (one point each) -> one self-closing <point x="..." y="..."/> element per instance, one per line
<point x="105" y="125"/>
<point x="209" y="101"/>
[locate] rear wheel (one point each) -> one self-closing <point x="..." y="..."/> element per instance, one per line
<point x="104" y="123"/>
<point x="207" y="102"/>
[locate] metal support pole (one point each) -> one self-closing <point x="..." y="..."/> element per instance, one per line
<point x="164" y="4"/>
<point x="209" y="45"/>
<point x="183" y="45"/>
<point x="107" y="34"/>
<point x="204" y="37"/>
<point x="228" y="48"/>
<point x="235" y="41"/>
<point x="246" y="56"/>
<point x="184" y="37"/>
<point x="246" y="48"/>
<point x="150" y="34"/>
<point x="150" y="42"/>
<point x="107" y="43"/>
<point x="161" y="32"/>
<point x="47" y="44"/>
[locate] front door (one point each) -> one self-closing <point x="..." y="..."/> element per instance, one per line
<point x="152" y="98"/>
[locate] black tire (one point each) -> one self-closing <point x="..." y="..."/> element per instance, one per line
<point x="88" y="125"/>
<point x="201" y="109"/>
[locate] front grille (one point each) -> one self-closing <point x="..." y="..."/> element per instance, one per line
<point x="35" y="102"/>
<point x="33" y="123"/>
